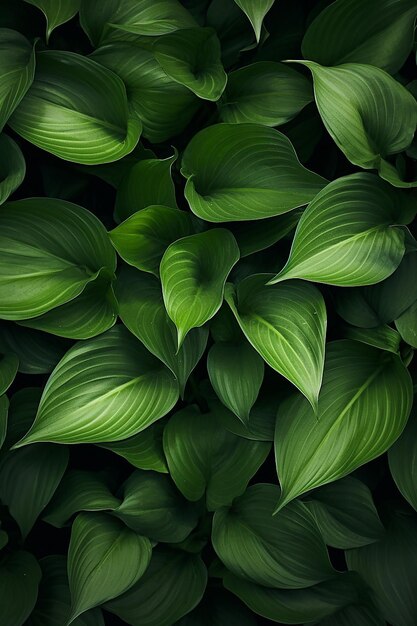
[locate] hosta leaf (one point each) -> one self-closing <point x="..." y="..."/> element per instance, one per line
<point x="77" y="110"/>
<point x="255" y="11"/>
<point x="56" y="12"/>
<point x="104" y="560"/>
<point x="17" y="69"/>
<point x="191" y="57"/>
<point x="172" y="586"/>
<point x="374" y="32"/>
<point x="257" y="235"/>
<point x="103" y="389"/>
<point x="286" y="324"/>
<point x="141" y="308"/>
<point x="236" y="372"/>
<point x="28" y="480"/>
<point x="79" y="490"/>
<point x="164" y="106"/>
<point x="38" y="353"/>
<point x="103" y="20"/>
<point x="9" y="364"/>
<point x="4" y="410"/>
<point x="388" y="569"/>
<point x="402" y="457"/>
<point x="193" y="272"/>
<point x="358" y="380"/>
<point x="206" y="459"/>
<point x="383" y="337"/>
<point x="12" y="167"/>
<point x="346" y="514"/>
<point x="367" y="113"/>
<point x="152" y="506"/>
<point x="20" y="575"/>
<point x="238" y="172"/>
<point x="407" y="325"/>
<point x="49" y="251"/>
<point x="285" y="551"/>
<point x="264" y="93"/>
<point x="142" y="239"/>
<point x="348" y="235"/>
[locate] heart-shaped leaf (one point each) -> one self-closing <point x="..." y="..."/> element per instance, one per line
<point x="56" y="12"/>
<point x="402" y="457"/>
<point x="12" y="167"/>
<point x="313" y="450"/>
<point x="238" y="172"/>
<point x="16" y="71"/>
<point x="255" y="11"/>
<point x="193" y="272"/>
<point x="20" y="575"/>
<point x="103" y="389"/>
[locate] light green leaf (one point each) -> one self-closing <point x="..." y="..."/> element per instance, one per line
<point x="402" y="458"/>
<point x="255" y="236"/>
<point x="313" y="450"/>
<point x="346" y="514"/>
<point x="12" y="167"/>
<point x="265" y="93"/>
<point x="238" y="172"/>
<point x="152" y="506"/>
<point x="348" y="235"/>
<point x="104" y="389"/>
<point x="147" y="183"/>
<point x="9" y="364"/>
<point x="367" y="113"/>
<point x="383" y="337"/>
<point x="20" y="575"/>
<point x="192" y="57"/>
<point x="38" y="353"/>
<point x="255" y="11"/>
<point x="236" y="372"/>
<point x="285" y="551"/>
<point x="104" y="560"/>
<point x="407" y="325"/>
<point x="77" y="110"/>
<point x="375" y="32"/>
<point x="142" y="239"/>
<point x="49" y="251"/>
<point x="17" y="69"/>
<point x="141" y="308"/>
<point x="4" y="410"/>
<point x="28" y="480"/>
<point x="193" y="272"/>
<point x="172" y="586"/>
<point x="206" y="459"/>
<point x="164" y="106"/>
<point x="79" y="490"/>
<point x="56" y="12"/>
<point x="286" y="324"/>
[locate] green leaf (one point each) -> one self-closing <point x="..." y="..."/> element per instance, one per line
<point x="285" y="551"/>
<point x="104" y="560"/>
<point x="172" y="586"/>
<point x="402" y="458"/>
<point x="38" y="353"/>
<point x="16" y="71"/>
<point x="313" y="450"/>
<point x="348" y="235"/>
<point x="164" y="106"/>
<point x="257" y="235"/>
<point x="375" y="32"/>
<point x="9" y="364"/>
<point x="152" y="506"/>
<point x="368" y="114"/>
<point x="206" y="459"/>
<point x="388" y="569"/>
<point x="143" y="313"/>
<point x="407" y="325"/>
<point x="77" y="110"/>
<point x="4" y="410"/>
<point x="383" y="337"/>
<point x="236" y="372"/>
<point x="142" y="239"/>
<point x="346" y="514"/>
<point x="192" y="58"/>
<point x="79" y="490"/>
<point x="105" y="20"/>
<point x="193" y="272"/>
<point x="49" y="251"/>
<point x="147" y="183"/>
<point x="28" y="480"/>
<point x="56" y="12"/>
<point x="265" y="93"/>
<point x="238" y="172"/>
<point x="12" y="167"/>
<point x="104" y="389"/>
<point x="20" y="575"/>
<point x="286" y="324"/>
<point x="255" y="11"/>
